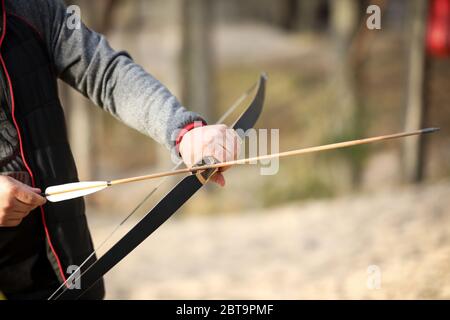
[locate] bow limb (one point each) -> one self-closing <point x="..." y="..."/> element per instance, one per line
<point x="158" y="215"/>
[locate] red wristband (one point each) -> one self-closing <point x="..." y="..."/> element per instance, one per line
<point x="186" y="129"/>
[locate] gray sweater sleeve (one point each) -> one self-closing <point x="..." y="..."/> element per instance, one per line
<point x="84" y="59"/>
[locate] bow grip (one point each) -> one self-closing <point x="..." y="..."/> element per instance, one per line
<point x="204" y="175"/>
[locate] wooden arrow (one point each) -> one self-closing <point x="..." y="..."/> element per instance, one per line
<point x="80" y="189"/>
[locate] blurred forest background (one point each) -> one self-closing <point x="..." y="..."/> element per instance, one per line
<point x="330" y="79"/>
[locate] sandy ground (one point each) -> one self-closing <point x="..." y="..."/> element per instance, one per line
<point x="393" y="244"/>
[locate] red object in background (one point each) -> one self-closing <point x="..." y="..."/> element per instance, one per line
<point x="438" y="30"/>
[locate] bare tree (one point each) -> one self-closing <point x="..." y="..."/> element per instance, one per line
<point x="413" y="149"/>
<point x="345" y="17"/>
<point x="196" y="56"/>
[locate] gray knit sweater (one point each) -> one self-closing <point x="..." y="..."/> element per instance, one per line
<point x="84" y="59"/>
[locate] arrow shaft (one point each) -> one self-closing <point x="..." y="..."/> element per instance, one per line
<point x="291" y="153"/>
<point x="331" y="146"/>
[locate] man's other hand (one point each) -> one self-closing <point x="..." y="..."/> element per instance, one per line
<point x="17" y="200"/>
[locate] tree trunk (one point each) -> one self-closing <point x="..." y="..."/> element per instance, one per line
<point x="196" y="57"/>
<point x="413" y="148"/>
<point x="303" y="15"/>
<point x="348" y="124"/>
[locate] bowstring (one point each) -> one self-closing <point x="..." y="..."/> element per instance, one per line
<point x="229" y="111"/>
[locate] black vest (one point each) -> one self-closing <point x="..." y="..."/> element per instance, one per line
<point x="32" y="95"/>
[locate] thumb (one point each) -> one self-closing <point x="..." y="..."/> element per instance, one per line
<point x="36" y="190"/>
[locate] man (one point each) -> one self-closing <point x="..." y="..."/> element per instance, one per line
<point x="39" y="240"/>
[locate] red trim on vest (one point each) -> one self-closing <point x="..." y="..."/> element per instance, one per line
<point x="4" y="23"/>
<point x="21" y="147"/>
<point x="30" y="172"/>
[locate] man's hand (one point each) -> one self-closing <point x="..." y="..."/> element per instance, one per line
<point x="17" y="200"/>
<point x="217" y="141"/>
